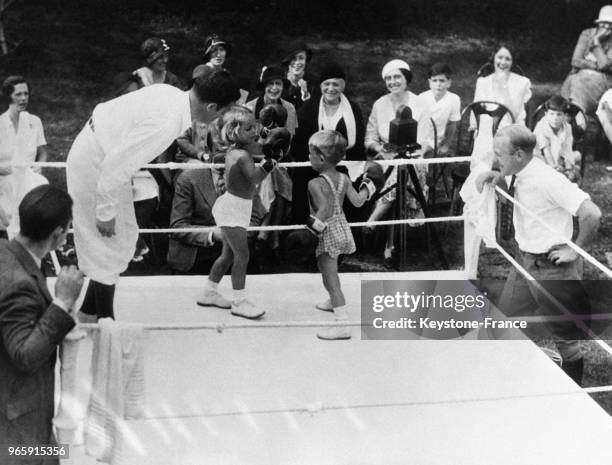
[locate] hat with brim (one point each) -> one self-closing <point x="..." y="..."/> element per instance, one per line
<point x="294" y="50"/>
<point x="153" y="49"/>
<point x="212" y="43"/>
<point x="332" y="71"/>
<point x="605" y="15"/>
<point x="270" y="73"/>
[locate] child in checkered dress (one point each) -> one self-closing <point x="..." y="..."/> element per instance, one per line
<point x="327" y="220"/>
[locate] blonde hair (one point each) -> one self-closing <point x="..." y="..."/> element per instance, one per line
<point x="330" y="144"/>
<point x="233" y="119"/>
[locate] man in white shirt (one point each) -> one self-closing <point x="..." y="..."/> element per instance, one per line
<point x="555" y="200"/>
<point x="32" y="323"/>
<point x="122" y="135"/>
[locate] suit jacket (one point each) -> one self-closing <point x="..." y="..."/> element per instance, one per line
<point x="194" y="197"/>
<point x="31" y="328"/>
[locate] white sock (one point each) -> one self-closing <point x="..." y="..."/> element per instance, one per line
<point x="340" y="313"/>
<point x="211" y="286"/>
<point x="239" y="294"/>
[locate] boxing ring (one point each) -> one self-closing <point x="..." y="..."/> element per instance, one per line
<point x="224" y="390"/>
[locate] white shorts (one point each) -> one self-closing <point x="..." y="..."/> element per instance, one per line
<point x="232" y="211"/>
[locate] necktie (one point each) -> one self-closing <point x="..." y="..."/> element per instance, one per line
<point x="506" y="211"/>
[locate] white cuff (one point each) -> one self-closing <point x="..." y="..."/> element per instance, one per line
<point x="209" y="241"/>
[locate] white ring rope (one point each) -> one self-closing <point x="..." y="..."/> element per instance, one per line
<point x="588" y="257"/>
<point x="561" y="318"/>
<point x="295" y="164"/>
<point x="220" y="327"/>
<point x="320" y="407"/>
<point x="289" y="227"/>
<point x="554" y="301"/>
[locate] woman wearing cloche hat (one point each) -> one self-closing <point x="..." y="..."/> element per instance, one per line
<point x="301" y="82"/>
<point x="155" y="53"/>
<point x="591" y="73"/>
<point x="215" y="52"/>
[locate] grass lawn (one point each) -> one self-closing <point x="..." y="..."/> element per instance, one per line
<point x="71" y="63"/>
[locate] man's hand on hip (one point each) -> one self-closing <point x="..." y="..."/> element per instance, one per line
<point x="106" y="228"/>
<point x="562" y="254"/>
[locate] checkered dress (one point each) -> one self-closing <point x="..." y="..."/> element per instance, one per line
<point x="337" y="238"/>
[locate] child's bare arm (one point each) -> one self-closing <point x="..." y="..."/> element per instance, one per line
<point x="253" y="173"/>
<point x="356" y="198"/>
<point x="319" y="200"/>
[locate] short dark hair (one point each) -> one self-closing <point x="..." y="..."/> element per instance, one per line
<point x="407" y="74"/>
<point x="439" y="68"/>
<point x="217" y="87"/>
<point x="519" y="136"/>
<point x="557" y="103"/>
<point x="8" y="86"/>
<point x="42" y="210"/>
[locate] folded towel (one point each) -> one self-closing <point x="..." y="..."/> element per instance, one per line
<point x="117" y="388"/>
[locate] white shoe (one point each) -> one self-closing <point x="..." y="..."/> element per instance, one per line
<point x="335" y="333"/>
<point x="214" y="299"/>
<point x="325" y="306"/>
<point x="246" y="309"/>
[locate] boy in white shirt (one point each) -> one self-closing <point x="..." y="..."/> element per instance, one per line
<point x="442" y="109"/>
<point x="441" y="106"/>
<point x="555" y="139"/>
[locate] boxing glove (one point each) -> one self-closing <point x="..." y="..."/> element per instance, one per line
<point x="315" y="225"/>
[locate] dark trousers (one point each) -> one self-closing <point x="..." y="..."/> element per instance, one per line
<point x="144" y="211"/>
<point x="521" y="297"/>
<point x="99" y="300"/>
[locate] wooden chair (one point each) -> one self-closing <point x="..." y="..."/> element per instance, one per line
<point x="437" y="172"/>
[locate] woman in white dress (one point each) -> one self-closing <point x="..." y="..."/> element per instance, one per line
<point x="22" y="141"/>
<point x="513" y="91"/>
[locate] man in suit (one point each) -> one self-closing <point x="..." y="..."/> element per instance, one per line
<point x="32" y="323"/>
<point x="194" y="197"/>
<point x="195" y="193"/>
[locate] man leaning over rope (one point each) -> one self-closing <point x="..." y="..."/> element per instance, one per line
<point x="121" y="136"/>
<point x="555" y="266"/>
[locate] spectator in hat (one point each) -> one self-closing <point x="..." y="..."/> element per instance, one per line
<point x="276" y="190"/>
<point x="216" y="52"/>
<point x="334" y="111"/>
<point x="591" y="70"/>
<point x="155" y="54"/>
<point x="301" y="83"/>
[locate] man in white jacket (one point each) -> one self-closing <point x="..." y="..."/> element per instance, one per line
<point x="121" y="136"/>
